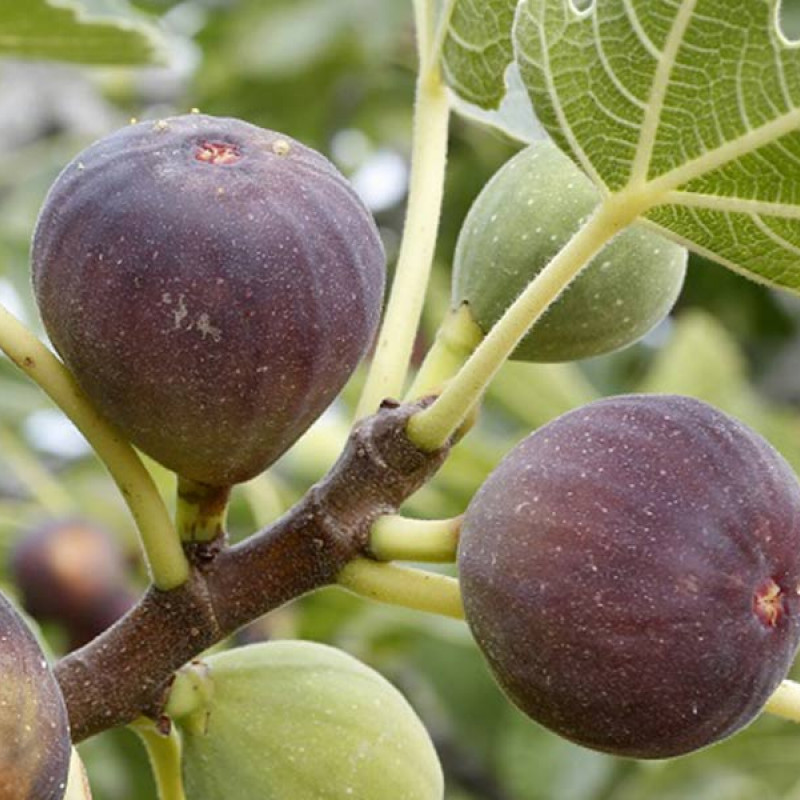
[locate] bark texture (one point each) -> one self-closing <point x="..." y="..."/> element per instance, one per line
<point x="126" y="671"/>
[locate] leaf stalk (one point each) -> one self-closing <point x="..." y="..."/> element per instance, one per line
<point x="397" y="538"/>
<point x="426" y="188"/>
<point x="165" y="557"/>
<point x="403" y="586"/>
<point x="437" y="423"/>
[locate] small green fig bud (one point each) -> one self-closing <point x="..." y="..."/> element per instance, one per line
<point x="297" y="720"/>
<point x="522" y="218"/>
<point x="34" y="730"/>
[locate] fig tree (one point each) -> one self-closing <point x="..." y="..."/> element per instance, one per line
<point x="522" y="218"/>
<point x="631" y="572"/>
<point x="298" y="719"/>
<point x="35" y="744"/>
<point x="211" y="284"/>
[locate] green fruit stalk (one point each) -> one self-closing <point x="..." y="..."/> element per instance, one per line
<point x="522" y="218"/>
<point x="78" y="782"/>
<point x="631" y="573"/>
<point x="34" y="730"/>
<point x="286" y="720"/>
<point x="212" y="285"/>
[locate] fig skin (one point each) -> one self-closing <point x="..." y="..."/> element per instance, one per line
<point x="35" y="744"/>
<point x="631" y="573"/>
<point x="212" y="286"/>
<point x="524" y="215"/>
<point x="295" y="719"/>
<point x="72" y="572"/>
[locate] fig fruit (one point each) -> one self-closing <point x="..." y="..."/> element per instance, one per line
<point x="72" y="572"/>
<point x="522" y="218"/>
<point x="631" y="572"/>
<point x="34" y="731"/>
<point x="211" y="284"/>
<point x="298" y="719"/>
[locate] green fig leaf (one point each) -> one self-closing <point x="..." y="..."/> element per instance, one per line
<point x="685" y="111"/>
<point x="64" y="30"/>
<point x="478" y="66"/>
<point x="477" y="49"/>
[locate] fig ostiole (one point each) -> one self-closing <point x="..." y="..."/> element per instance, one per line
<point x="631" y="572"/>
<point x="298" y="719"/>
<point x="211" y="285"/>
<point x="525" y="214"/>
<point x="35" y="743"/>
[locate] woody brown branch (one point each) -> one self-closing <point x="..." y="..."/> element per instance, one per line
<point x="125" y="671"/>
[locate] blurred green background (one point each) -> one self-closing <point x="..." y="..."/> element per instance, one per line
<point x="339" y="75"/>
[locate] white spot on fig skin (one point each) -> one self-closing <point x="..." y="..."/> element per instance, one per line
<point x="207" y="329"/>
<point x="181" y="313"/>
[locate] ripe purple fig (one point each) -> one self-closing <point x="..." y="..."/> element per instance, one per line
<point x="34" y="731"/>
<point x="631" y="572"/>
<point x="72" y="572"/>
<point x="211" y="284"/>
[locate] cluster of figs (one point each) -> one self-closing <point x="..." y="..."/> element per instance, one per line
<point x="630" y="571"/>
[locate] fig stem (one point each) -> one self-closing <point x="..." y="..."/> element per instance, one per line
<point x="77" y="780"/>
<point x="200" y="510"/>
<point x="785" y="701"/>
<point x="437" y="423"/>
<point x="389" y="366"/>
<point x="162" y="547"/>
<point x="403" y="586"/>
<point x="456" y="340"/>
<point x="164" y="753"/>
<point x="437" y="42"/>
<point x="47" y="491"/>
<point x="397" y="538"/>
<point x="424" y="23"/>
<point x="190" y="692"/>
<point x="126" y="671"/>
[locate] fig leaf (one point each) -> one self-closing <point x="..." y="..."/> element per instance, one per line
<point x="687" y="112"/>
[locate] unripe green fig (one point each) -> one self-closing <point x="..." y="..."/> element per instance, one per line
<point x="631" y="572"/>
<point x="212" y="285"/>
<point x="34" y="730"/>
<point x="286" y="720"/>
<point x="519" y="222"/>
